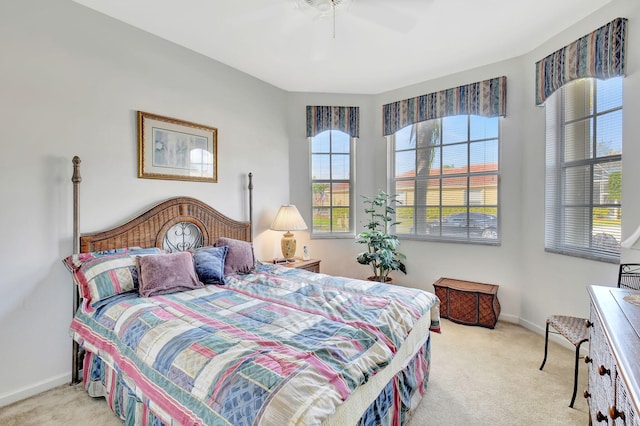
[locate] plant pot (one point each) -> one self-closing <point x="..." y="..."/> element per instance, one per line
<point x="387" y="280"/>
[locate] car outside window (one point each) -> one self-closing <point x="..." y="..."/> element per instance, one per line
<point x="445" y="173"/>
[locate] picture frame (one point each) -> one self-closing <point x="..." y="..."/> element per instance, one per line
<point x="174" y="149"/>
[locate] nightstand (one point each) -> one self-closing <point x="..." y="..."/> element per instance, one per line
<point x="312" y="265"/>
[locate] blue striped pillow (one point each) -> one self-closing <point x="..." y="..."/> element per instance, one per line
<point x="103" y="274"/>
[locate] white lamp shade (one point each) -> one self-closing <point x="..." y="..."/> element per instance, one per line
<point x="288" y="219"/>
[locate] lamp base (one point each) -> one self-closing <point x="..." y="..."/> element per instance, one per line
<point x="288" y="245"/>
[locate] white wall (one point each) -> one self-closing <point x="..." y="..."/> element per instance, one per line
<point x="533" y="283"/>
<point x="71" y="81"/>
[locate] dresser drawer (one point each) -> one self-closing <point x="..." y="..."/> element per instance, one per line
<point x="614" y="354"/>
<point x="601" y="373"/>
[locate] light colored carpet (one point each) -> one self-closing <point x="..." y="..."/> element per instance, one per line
<point x="478" y="377"/>
<point x="481" y="376"/>
<point x="64" y="405"/>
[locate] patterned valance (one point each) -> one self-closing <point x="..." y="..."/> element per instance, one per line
<point x="487" y="98"/>
<point x="321" y="118"/>
<point x="599" y="54"/>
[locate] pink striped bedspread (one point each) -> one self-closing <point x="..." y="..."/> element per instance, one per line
<point x="279" y="346"/>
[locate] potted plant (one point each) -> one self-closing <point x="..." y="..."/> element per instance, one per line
<point x="382" y="247"/>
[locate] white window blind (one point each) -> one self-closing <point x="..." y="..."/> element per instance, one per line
<point x="584" y="169"/>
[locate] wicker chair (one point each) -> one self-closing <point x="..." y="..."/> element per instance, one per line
<point x="575" y="330"/>
<point x="629" y="276"/>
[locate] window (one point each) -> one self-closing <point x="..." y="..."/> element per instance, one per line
<point x="332" y="184"/>
<point x="446" y="172"/>
<point x="584" y="169"/>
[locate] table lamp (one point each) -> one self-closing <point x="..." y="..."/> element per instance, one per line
<point x="288" y="219"/>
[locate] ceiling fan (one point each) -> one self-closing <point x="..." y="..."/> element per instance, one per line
<point x="393" y="15"/>
<point x="327" y="7"/>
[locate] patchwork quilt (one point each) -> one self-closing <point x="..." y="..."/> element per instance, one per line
<point x="278" y="346"/>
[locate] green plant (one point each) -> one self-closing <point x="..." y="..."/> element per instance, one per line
<point x="382" y="247"/>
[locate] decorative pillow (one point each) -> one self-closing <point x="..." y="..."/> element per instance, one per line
<point x="103" y="274"/>
<point x="209" y="264"/>
<point x="75" y="261"/>
<point x="166" y="273"/>
<point x="240" y="258"/>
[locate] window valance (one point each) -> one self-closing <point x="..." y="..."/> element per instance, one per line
<point x="487" y="98"/>
<point x="321" y="118"/>
<point x="599" y="54"/>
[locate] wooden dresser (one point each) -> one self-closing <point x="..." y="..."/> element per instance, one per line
<point x="614" y="357"/>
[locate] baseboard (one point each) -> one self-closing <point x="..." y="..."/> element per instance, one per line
<point x="531" y="326"/>
<point x="510" y="318"/>
<point x="29" y="391"/>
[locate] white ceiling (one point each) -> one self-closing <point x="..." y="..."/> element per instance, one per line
<point x="379" y="45"/>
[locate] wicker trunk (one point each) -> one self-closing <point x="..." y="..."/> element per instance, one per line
<point x="468" y="302"/>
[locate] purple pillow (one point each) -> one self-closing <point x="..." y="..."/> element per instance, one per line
<point x="166" y="273"/>
<point x="240" y="257"/>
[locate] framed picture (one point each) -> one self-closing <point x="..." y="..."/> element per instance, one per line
<point x="175" y="149"/>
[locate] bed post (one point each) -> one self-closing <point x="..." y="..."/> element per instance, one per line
<point x="251" y="204"/>
<point x="76" y="179"/>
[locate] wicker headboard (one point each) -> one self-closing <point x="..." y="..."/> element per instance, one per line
<point x="151" y="227"/>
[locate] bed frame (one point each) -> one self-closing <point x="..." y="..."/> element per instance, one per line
<point x="183" y="223"/>
<point x="176" y="224"/>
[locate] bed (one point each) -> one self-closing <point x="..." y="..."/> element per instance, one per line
<point x="176" y="323"/>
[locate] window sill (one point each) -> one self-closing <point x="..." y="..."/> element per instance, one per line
<point x="484" y="242"/>
<point x="345" y="236"/>
<point x="608" y="259"/>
